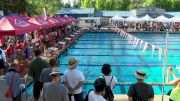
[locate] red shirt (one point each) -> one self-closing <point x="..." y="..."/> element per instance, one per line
<point x="10" y="51"/>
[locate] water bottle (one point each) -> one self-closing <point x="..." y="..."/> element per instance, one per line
<point x="72" y="98"/>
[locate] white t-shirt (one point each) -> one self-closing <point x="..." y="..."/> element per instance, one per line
<point x="108" y="80"/>
<point x="73" y="77"/>
<point x="94" y="97"/>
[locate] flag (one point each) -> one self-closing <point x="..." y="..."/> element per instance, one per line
<point x="160" y="53"/>
<point x="141" y="43"/>
<point x="136" y="42"/>
<point x="43" y="13"/>
<point x="153" y="47"/>
<point x="145" y="47"/>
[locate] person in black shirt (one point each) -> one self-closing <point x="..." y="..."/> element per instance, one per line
<point x="140" y="91"/>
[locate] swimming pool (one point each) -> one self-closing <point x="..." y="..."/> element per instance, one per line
<point x="93" y="49"/>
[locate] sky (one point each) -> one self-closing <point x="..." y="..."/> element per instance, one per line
<point x="71" y="1"/>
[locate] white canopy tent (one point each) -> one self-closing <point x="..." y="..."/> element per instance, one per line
<point x="146" y="18"/>
<point x="161" y="19"/>
<point x="117" y="18"/>
<point x="175" y="19"/>
<point x="133" y="19"/>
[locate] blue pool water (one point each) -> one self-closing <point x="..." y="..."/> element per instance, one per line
<point x="95" y="49"/>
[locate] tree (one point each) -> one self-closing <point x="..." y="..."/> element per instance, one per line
<point x="98" y="5"/>
<point x="87" y="3"/>
<point x="118" y="5"/>
<point x="148" y="3"/>
<point x="15" y="6"/>
<point x="67" y="5"/>
<point x="77" y="4"/>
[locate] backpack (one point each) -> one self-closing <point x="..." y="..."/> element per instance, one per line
<point x="86" y="98"/>
<point x="109" y="96"/>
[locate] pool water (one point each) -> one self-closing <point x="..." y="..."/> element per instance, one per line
<point x="93" y="49"/>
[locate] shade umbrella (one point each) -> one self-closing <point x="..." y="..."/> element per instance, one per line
<point x="161" y="19"/>
<point x="175" y="19"/>
<point x="146" y="18"/>
<point x="117" y="18"/>
<point x="15" y="26"/>
<point x="133" y="19"/>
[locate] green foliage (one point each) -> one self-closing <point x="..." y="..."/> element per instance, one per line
<point x="18" y="6"/>
<point x="34" y="7"/>
<point x="31" y="7"/>
<point x="51" y="6"/>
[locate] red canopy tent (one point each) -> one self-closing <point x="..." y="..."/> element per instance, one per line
<point x="68" y="19"/>
<point x="40" y="21"/>
<point x="54" y="21"/>
<point x="73" y="19"/>
<point x="15" y="26"/>
<point x="60" y="19"/>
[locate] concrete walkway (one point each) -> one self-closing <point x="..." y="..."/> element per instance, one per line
<point x="125" y="98"/>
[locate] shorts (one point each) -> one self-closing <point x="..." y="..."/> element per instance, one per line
<point x="37" y="89"/>
<point x="1" y="64"/>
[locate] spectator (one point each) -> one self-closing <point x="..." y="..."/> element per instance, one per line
<point x="27" y="51"/>
<point x="74" y="80"/>
<point x="98" y="93"/>
<point x="35" y="68"/>
<point x="2" y="62"/>
<point x="45" y="77"/>
<point x="110" y="79"/>
<point x="175" y="93"/>
<point x="54" y="90"/>
<point x="141" y="91"/>
<point x="13" y="81"/>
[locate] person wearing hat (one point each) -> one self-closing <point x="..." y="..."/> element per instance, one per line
<point x="45" y="77"/>
<point x="97" y="94"/>
<point x="54" y="90"/>
<point x="13" y="81"/>
<point x="141" y="91"/>
<point x="74" y="79"/>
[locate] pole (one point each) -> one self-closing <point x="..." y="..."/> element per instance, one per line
<point x="165" y="64"/>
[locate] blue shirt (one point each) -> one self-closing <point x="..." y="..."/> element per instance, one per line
<point x="15" y="84"/>
<point x="27" y="52"/>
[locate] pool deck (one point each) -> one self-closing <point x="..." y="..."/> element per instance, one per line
<point x="125" y="98"/>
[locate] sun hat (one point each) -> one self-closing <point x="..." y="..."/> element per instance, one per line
<point x="55" y="71"/>
<point x="73" y="62"/>
<point x="140" y="74"/>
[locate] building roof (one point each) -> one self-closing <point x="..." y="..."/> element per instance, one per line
<point x="174" y="13"/>
<point x="148" y="7"/>
<point x="76" y="11"/>
<point x="113" y="13"/>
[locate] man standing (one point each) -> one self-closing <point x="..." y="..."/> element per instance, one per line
<point x="74" y="80"/>
<point x="35" y="69"/>
<point x="45" y="77"/>
<point x="2" y="62"/>
<point x="54" y="90"/>
<point x="141" y="91"/>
